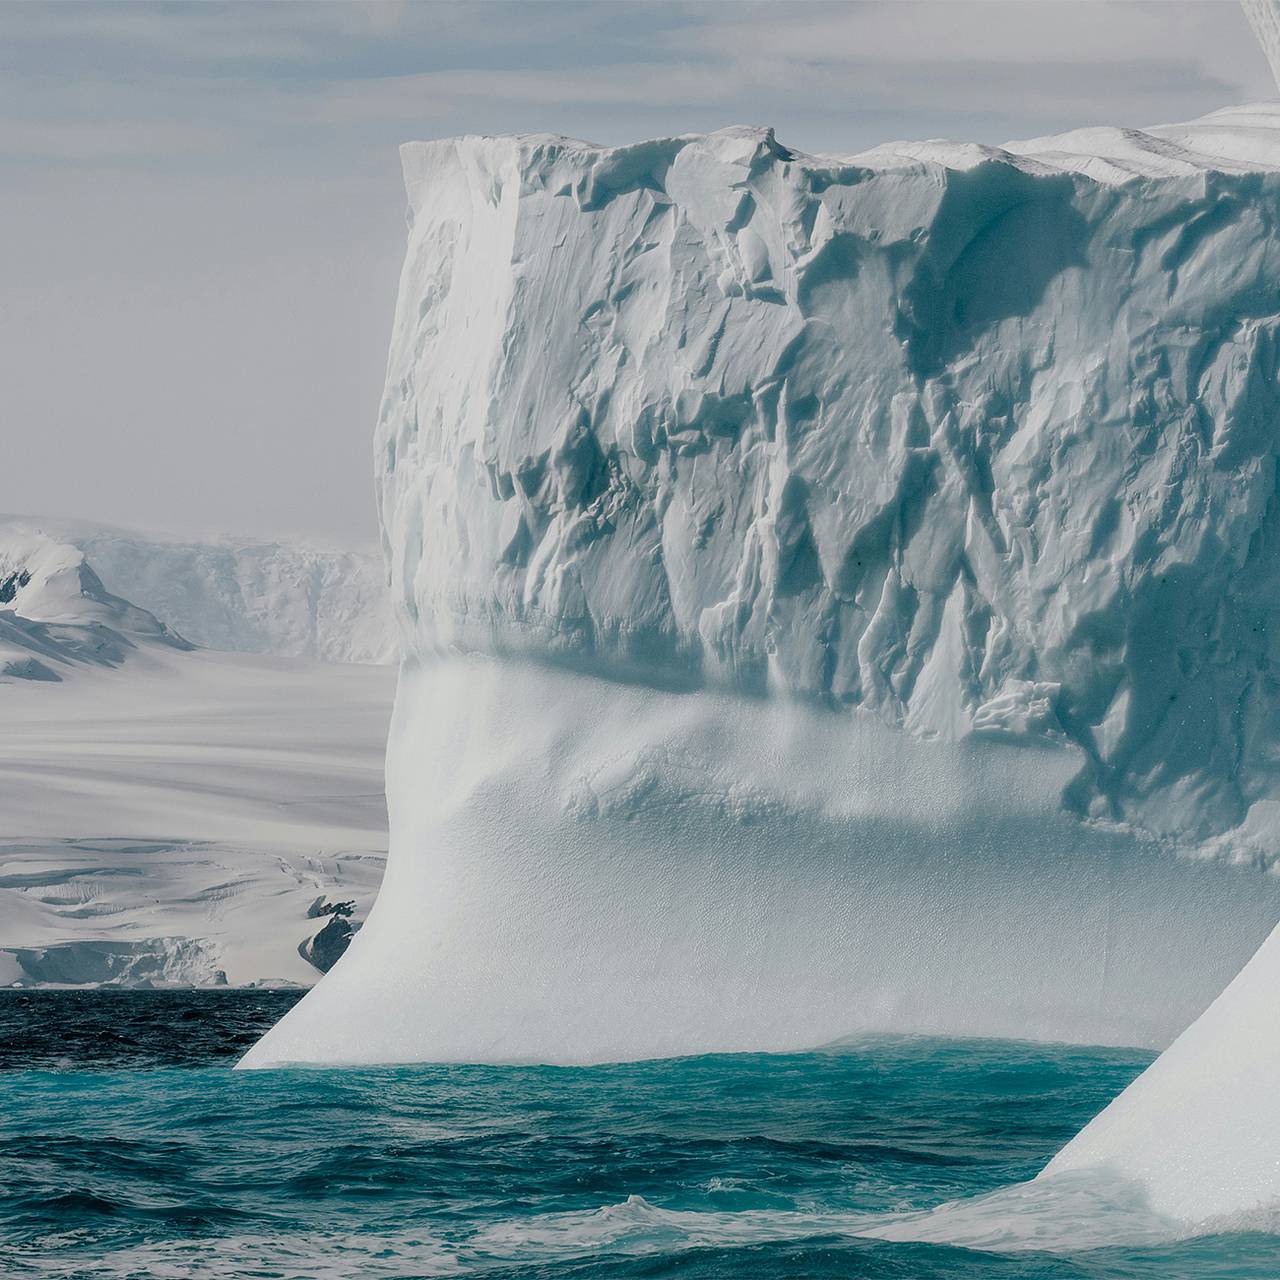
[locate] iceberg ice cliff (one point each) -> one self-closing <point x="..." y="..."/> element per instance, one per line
<point x="979" y="442"/>
<point x="834" y="594"/>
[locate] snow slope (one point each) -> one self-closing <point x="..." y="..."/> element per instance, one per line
<point x="1197" y="1130"/>
<point x="835" y="593"/>
<point x="169" y="814"/>
<point x="286" y="598"/>
<point x="171" y="819"/>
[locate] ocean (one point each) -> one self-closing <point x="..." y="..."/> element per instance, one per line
<point x="130" y="1148"/>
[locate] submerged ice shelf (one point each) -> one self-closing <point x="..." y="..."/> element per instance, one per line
<point x="835" y="594"/>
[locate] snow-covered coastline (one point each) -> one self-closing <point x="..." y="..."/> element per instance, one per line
<point x="181" y="812"/>
<point x="171" y="814"/>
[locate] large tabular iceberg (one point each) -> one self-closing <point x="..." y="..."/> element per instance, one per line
<point x="835" y="594"/>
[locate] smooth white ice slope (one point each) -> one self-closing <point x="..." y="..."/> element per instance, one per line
<point x="835" y="593"/>
<point x="1197" y="1130"/>
<point x="171" y="818"/>
<point x="593" y="871"/>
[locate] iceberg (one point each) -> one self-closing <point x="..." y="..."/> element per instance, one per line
<point x="834" y="594"/>
<point x="1197" y="1130"/>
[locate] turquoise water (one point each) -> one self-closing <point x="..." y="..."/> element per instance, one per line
<point x="129" y="1148"/>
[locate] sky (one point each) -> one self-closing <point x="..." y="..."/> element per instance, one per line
<point x="201" y="215"/>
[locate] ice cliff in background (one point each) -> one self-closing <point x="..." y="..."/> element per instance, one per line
<point x="236" y="594"/>
<point x="835" y="594"/>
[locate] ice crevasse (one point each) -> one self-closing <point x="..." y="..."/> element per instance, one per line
<point x="835" y="594"/>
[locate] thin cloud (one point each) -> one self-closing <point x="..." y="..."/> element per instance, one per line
<point x="97" y="141"/>
<point x="209" y="211"/>
<point x="87" y="81"/>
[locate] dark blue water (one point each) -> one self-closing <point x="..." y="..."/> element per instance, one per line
<point x="129" y="1148"/>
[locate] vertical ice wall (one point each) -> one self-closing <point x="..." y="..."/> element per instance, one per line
<point x="966" y="440"/>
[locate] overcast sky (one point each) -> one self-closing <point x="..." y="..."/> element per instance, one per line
<point x="201" y="216"/>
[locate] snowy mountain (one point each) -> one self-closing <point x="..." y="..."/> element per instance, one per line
<point x="240" y="595"/>
<point x="838" y="593"/>
<point x="55" y="614"/>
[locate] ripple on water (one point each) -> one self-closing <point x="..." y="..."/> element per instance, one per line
<point x="884" y="1157"/>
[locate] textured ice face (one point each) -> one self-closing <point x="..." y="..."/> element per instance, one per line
<point x="981" y="441"/>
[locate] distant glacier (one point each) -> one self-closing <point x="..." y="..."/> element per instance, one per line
<point x="183" y="813"/>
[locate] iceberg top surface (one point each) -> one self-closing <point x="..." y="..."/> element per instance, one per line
<point x="1240" y="139"/>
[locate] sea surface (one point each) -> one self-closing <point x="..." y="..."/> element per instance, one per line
<point x="129" y="1147"/>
